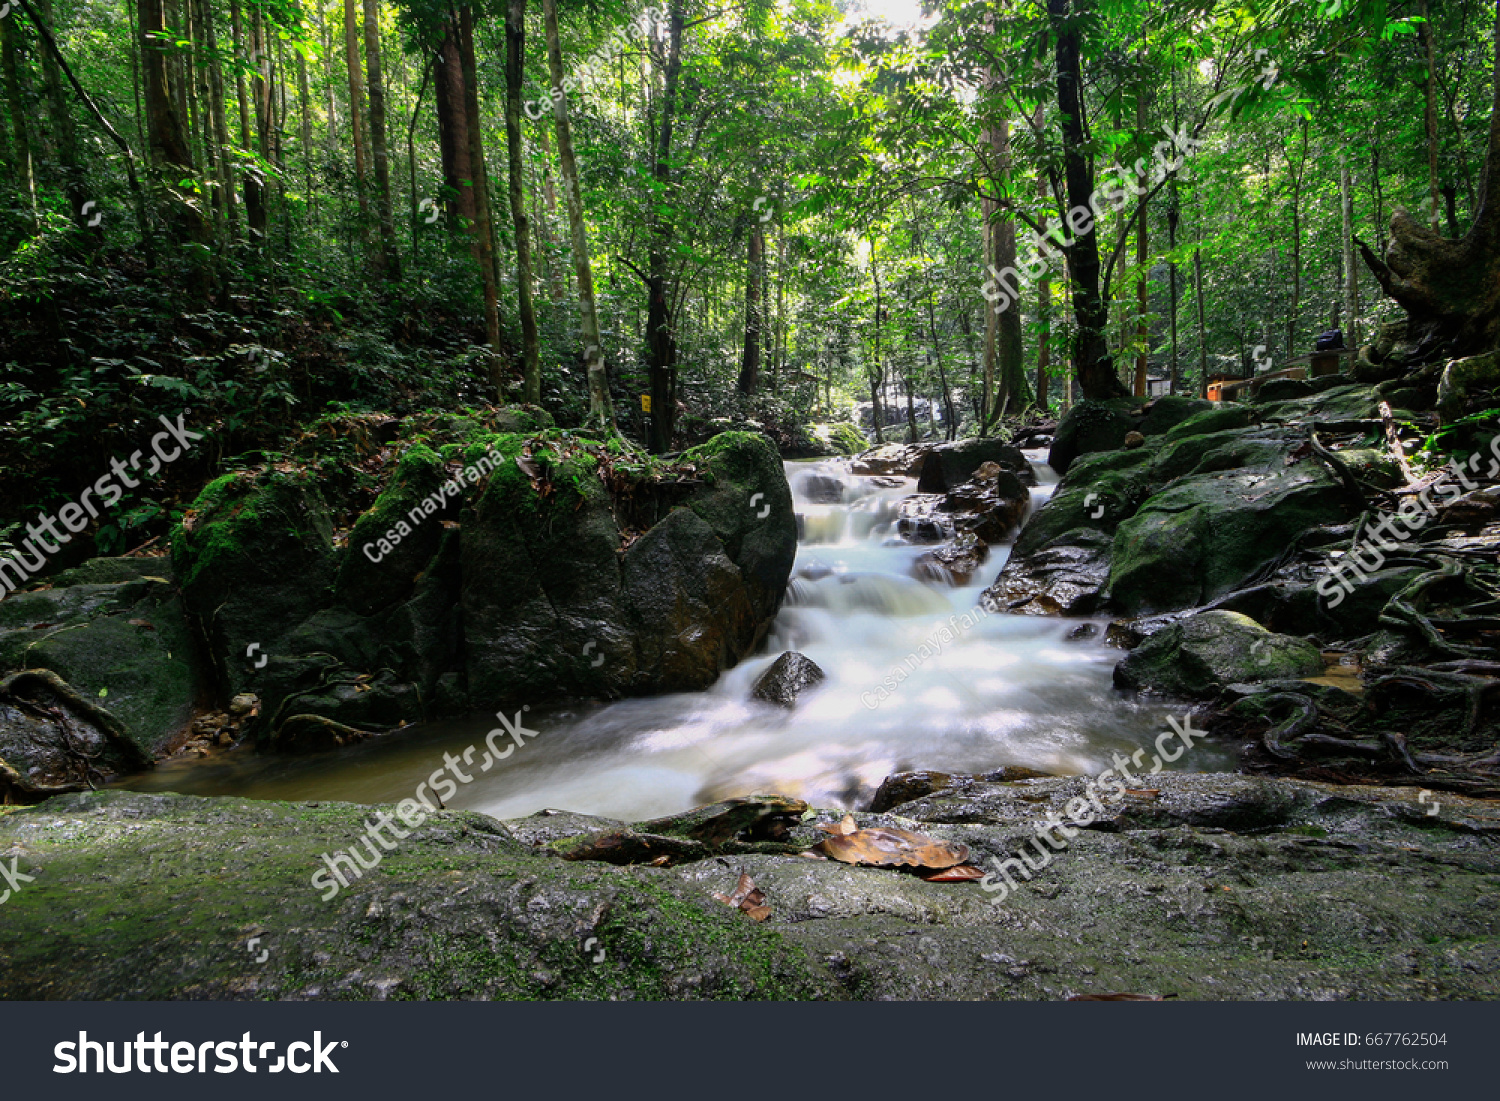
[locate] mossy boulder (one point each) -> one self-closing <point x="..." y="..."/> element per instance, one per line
<point x="491" y="569"/>
<point x="1222" y="417"/>
<point x="114" y="630"/>
<point x="376" y="573"/>
<point x="1168" y="411"/>
<point x="1200" y="655"/>
<point x="1091" y="426"/>
<point x="555" y="607"/>
<point x="1206" y="535"/>
<point x="255" y="556"/>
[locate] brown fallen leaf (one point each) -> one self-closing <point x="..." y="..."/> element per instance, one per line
<point x="746" y="897"/>
<point x="842" y="828"/>
<point x="885" y="846"/>
<point x="959" y="873"/>
<point x="141" y="623"/>
<point x="1115" y="998"/>
<point x="1144" y="793"/>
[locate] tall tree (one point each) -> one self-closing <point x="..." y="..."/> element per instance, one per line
<point x="754" y="266"/>
<point x="357" y="115"/>
<point x="601" y="409"/>
<point x="166" y="134"/>
<point x="1092" y="362"/>
<point x="484" y="222"/>
<point x="390" y="257"/>
<point x="515" y="77"/>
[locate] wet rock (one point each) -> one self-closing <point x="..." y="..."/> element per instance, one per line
<point x="1065" y="579"/>
<point x="1084" y="632"/>
<point x="1218" y="886"/>
<point x="990" y="508"/>
<point x="460" y="909"/>
<point x="947" y="465"/>
<point x="1205" y="535"/>
<point x="115" y="631"/>
<point x="956" y="563"/>
<point x="1088" y="427"/>
<point x="528" y="580"/>
<point x="788" y="677"/>
<point x="903" y="787"/>
<point x="888" y="459"/>
<point x="243" y="703"/>
<point x="1472" y="510"/>
<point x="920" y="521"/>
<point x="821" y="489"/>
<point x="1161" y="414"/>
<point x="1204" y="653"/>
<point x="55" y="739"/>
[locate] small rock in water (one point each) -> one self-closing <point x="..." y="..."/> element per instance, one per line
<point x="788" y="677"/>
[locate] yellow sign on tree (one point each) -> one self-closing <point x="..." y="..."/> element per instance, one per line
<point x="645" y="403"/>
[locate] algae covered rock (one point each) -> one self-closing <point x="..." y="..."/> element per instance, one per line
<point x="491" y="569"/>
<point x="1090" y="426"/>
<point x="1206" y="535"/>
<point x="1202" y="654"/>
<point x="457" y="908"/>
<point x="114" y="631"/>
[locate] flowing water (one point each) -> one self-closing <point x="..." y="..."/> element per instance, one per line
<point x="917" y="677"/>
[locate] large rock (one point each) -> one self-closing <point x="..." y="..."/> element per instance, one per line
<point x="459" y="909"/>
<point x="1090" y="426"/>
<point x="788" y="677"/>
<point x="491" y="571"/>
<point x="947" y="465"/>
<point x="1207" y="534"/>
<point x="114" y="632"/>
<point x="1203" y="886"/>
<point x="1204" y="653"/>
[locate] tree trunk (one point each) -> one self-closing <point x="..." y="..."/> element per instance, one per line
<point x="1142" y="300"/>
<point x="1202" y="326"/>
<point x="453" y="138"/>
<point x="1351" y="275"/>
<point x="227" y="196"/>
<point x="515" y="62"/>
<point x="15" y="101"/>
<point x="1450" y="289"/>
<point x="660" y="336"/>
<point x="1174" y="215"/>
<point x="750" y="359"/>
<point x="1092" y="363"/>
<point x="484" y="222"/>
<point x="65" y="139"/>
<point x="1142" y="256"/>
<point x="164" y="124"/>
<point x="1424" y="30"/>
<point x="390" y="258"/>
<point x="601" y="408"/>
<point x="547" y="244"/>
<point x="1296" y="306"/>
<point x="357" y="119"/>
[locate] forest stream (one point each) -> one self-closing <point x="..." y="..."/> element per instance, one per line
<point x="1009" y="690"/>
